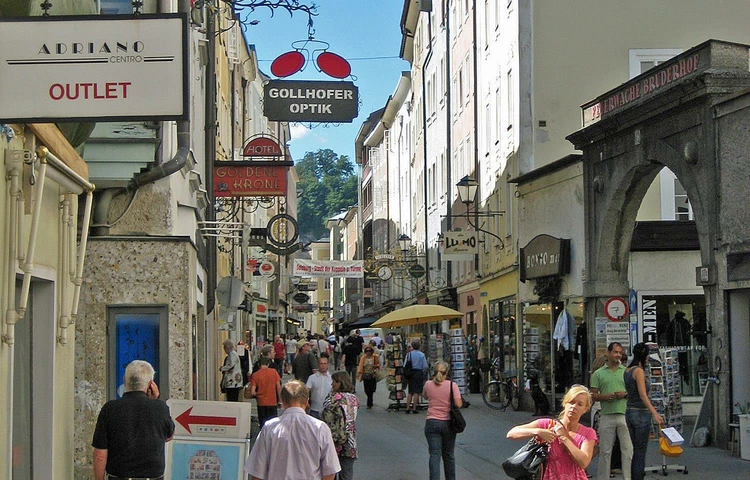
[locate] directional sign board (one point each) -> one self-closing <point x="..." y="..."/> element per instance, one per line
<point x="195" y="418"/>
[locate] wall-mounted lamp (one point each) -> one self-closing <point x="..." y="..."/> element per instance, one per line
<point x="467" y="191"/>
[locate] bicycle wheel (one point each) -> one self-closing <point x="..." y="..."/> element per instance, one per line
<point x="515" y="399"/>
<point x="494" y="396"/>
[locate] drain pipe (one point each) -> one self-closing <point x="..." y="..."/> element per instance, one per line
<point x="11" y="316"/>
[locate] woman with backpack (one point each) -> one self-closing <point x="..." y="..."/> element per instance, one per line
<point x="340" y="413"/>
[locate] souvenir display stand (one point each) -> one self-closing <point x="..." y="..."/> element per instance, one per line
<point x="666" y="396"/>
<point x="458" y="359"/>
<point x="394" y="370"/>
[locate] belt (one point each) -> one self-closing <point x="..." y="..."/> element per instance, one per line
<point x="112" y="477"/>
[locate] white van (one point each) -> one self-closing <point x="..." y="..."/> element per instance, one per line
<point x="369" y="333"/>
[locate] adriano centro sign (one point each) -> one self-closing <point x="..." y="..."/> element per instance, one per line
<point x="90" y="68"/>
<point x="304" y="101"/>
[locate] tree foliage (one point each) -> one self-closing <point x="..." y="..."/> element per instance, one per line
<point x="329" y="186"/>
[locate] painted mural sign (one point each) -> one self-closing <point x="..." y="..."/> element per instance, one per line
<point x="680" y="68"/>
<point x="68" y="68"/>
<point x="244" y="179"/>
<point x="305" y="101"/>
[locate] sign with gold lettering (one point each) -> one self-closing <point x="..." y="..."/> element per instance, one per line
<point x="242" y="179"/>
<point x="545" y="256"/>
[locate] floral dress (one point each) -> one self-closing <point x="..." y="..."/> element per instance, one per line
<point x="560" y="464"/>
<point x="340" y="413"/>
<point x="232" y="371"/>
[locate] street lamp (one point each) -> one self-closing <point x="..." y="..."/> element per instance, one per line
<point x="404" y="242"/>
<point x="467" y="191"/>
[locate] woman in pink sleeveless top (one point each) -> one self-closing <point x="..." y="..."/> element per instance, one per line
<point x="571" y="445"/>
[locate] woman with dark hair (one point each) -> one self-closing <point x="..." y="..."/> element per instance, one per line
<point x="339" y="413"/>
<point x="571" y="445"/>
<point x="640" y="410"/>
<point x="441" y="440"/>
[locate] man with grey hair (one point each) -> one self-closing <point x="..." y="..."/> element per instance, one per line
<point x="131" y="432"/>
<point x="294" y="445"/>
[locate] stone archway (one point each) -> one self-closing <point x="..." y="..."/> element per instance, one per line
<point x="667" y="117"/>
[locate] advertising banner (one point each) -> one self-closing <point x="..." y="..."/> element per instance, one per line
<point x="89" y="68"/>
<point x="328" y="268"/>
<point x="305" y="101"/>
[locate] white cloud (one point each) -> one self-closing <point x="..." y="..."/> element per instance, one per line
<point x="298" y="131"/>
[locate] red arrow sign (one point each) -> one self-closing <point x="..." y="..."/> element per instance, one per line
<point x="185" y="419"/>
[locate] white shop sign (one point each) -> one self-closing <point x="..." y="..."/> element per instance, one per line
<point x="219" y="420"/>
<point x="89" y="68"/>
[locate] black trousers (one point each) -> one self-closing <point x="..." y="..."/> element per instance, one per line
<point x="370" y="385"/>
<point x="233" y="394"/>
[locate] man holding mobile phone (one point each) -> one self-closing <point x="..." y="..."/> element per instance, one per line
<point x="131" y="432"/>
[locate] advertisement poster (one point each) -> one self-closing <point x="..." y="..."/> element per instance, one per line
<point x="601" y="335"/>
<point x="206" y="459"/>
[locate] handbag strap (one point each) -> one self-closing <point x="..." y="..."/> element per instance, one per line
<point x="450" y="385"/>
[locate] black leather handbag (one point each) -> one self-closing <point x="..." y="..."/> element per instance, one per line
<point x="458" y="424"/>
<point x="527" y="461"/>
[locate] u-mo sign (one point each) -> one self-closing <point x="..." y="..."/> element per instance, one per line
<point x="194" y="418"/>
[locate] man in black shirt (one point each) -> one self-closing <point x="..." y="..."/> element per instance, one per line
<point x="350" y="356"/>
<point x="131" y="432"/>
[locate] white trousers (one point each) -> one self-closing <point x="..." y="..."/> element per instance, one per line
<point x="609" y="426"/>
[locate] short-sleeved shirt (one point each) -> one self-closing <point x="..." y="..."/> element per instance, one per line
<point x="608" y="381"/>
<point x="133" y="430"/>
<point x="350" y="352"/>
<point x="265" y="381"/>
<point x="320" y="387"/>
<point x="278" y="350"/>
<point x="294" y="446"/>
<point x="560" y="464"/>
<point x="291" y="346"/>
<point x="418" y="360"/>
<point x="439" y="397"/>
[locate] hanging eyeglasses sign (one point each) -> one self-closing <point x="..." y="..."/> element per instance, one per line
<point x="311" y="101"/>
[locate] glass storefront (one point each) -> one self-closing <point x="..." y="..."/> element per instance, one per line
<point x="502" y="333"/>
<point x="681" y="324"/>
<point x="553" y="366"/>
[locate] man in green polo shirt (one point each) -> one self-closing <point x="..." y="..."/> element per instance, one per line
<point x="608" y="387"/>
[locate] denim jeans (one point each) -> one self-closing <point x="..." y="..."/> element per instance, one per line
<point x="441" y="441"/>
<point x="639" y="426"/>
<point x="347" y="468"/>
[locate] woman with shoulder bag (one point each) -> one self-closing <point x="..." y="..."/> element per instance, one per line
<point x="441" y="439"/>
<point x="367" y="372"/>
<point x="640" y="410"/>
<point x="571" y="445"/>
<point x="231" y="380"/>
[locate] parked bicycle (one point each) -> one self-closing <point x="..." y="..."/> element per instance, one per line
<point x="502" y="389"/>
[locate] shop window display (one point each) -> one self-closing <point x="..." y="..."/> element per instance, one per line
<point x="681" y="325"/>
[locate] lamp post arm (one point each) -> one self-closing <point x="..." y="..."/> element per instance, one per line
<point x="479" y="229"/>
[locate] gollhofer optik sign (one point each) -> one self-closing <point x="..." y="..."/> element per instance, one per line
<point x="93" y="68"/>
<point x="304" y="101"/>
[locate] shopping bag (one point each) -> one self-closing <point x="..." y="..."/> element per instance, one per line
<point x="527" y="461"/>
<point x="669" y="450"/>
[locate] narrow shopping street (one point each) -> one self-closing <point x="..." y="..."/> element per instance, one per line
<point x="392" y="446"/>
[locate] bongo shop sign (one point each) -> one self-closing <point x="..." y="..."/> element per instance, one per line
<point x="306" y="101"/>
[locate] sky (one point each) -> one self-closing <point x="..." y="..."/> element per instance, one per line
<point x="361" y="31"/>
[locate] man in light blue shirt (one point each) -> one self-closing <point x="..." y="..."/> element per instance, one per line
<point x="294" y="446"/>
<point x="418" y="374"/>
<point x="319" y="384"/>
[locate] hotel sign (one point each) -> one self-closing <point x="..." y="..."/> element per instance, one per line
<point x="682" y="67"/>
<point x="545" y="256"/>
<point x="242" y="179"/>
<point x="93" y="68"/>
<point x="304" y="101"/>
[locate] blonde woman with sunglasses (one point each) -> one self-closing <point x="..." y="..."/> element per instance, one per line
<point x="571" y="445"/>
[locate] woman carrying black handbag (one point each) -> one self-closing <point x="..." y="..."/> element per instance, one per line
<point x="570" y="444"/>
<point x="441" y="438"/>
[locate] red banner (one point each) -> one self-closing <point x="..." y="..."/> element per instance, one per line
<point x="238" y="179"/>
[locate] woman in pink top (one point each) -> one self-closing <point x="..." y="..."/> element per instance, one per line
<point x="440" y="439"/>
<point x="571" y="445"/>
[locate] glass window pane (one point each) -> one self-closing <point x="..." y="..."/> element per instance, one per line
<point x="136" y="338"/>
<point x="116" y="7"/>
